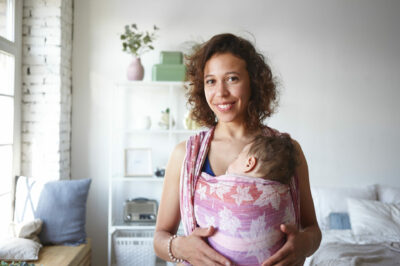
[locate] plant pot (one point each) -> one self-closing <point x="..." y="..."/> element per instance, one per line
<point x="135" y="70"/>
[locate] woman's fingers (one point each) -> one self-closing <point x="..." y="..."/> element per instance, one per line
<point x="204" y="232"/>
<point x="277" y="257"/>
<point x="215" y="256"/>
<point x="289" y="229"/>
<point x="207" y="261"/>
<point x="282" y="256"/>
<point x="204" y="254"/>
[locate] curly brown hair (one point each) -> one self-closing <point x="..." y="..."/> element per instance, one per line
<point x="264" y="96"/>
<point x="277" y="155"/>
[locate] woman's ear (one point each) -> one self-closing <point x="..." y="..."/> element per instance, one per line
<point x="251" y="163"/>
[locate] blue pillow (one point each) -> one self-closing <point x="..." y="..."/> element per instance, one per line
<point x="62" y="208"/>
<point x="339" y="220"/>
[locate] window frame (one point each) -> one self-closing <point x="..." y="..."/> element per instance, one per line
<point x="15" y="48"/>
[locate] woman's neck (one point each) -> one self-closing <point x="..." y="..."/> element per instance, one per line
<point x="233" y="130"/>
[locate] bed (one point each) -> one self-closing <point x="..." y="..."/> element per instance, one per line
<point x="360" y="226"/>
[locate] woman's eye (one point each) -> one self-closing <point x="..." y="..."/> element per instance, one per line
<point x="232" y="79"/>
<point x="209" y="81"/>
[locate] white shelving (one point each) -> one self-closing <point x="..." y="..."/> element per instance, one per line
<point x="131" y="102"/>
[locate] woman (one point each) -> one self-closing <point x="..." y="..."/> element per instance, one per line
<point x="232" y="91"/>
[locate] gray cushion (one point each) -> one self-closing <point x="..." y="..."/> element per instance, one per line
<point x="62" y="208"/>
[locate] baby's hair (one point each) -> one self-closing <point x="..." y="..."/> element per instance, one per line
<point x="276" y="155"/>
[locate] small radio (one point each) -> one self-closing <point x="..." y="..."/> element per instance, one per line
<point x="140" y="210"/>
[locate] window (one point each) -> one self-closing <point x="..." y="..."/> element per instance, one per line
<point x="10" y="103"/>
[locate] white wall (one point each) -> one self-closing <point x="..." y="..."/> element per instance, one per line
<point x="338" y="63"/>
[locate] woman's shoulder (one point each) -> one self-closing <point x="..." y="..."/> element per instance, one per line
<point x="200" y="135"/>
<point x="180" y="149"/>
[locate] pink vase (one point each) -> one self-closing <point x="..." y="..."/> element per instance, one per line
<point x="135" y="70"/>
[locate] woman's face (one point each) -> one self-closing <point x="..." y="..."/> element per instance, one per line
<point x="227" y="87"/>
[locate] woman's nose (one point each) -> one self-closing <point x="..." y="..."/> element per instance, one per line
<point x="222" y="89"/>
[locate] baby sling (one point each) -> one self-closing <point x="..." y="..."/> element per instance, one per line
<point x="243" y="209"/>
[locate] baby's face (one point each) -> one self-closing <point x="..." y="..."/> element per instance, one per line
<point x="238" y="166"/>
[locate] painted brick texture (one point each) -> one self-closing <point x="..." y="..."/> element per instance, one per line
<point x="46" y="88"/>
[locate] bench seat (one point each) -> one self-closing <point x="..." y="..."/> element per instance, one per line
<point x="65" y="255"/>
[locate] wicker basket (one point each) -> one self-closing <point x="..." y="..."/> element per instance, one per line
<point x="134" y="247"/>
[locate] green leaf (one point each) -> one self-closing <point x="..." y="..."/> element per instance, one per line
<point x="137" y="42"/>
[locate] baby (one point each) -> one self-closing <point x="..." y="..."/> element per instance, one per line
<point x="272" y="158"/>
<point x="248" y="203"/>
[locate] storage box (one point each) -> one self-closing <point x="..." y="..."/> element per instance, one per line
<point x="134" y="247"/>
<point x="171" y="58"/>
<point x="164" y="72"/>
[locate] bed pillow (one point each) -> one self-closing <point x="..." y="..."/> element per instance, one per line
<point x="339" y="221"/>
<point x="333" y="199"/>
<point x="19" y="249"/>
<point x="388" y="194"/>
<point x="62" y="208"/>
<point x="370" y="217"/>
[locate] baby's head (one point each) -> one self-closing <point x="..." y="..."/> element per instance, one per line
<point x="272" y="158"/>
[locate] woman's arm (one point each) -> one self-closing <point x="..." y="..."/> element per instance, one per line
<point x="304" y="242"/>
<point x="191" y="248"/>
<point x="168" y="216"/>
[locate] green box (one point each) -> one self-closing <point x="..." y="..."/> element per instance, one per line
<point x="170" y="72"/>
<point x="171" y="57"/>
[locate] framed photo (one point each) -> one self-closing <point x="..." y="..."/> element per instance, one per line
<point x="138" y="162"/>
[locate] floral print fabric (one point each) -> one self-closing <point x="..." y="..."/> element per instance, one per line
<point x="246" y="212"/>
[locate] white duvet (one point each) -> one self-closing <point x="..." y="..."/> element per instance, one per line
<point x="342" y="247"/>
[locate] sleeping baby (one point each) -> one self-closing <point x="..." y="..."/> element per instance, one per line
<point x="248" y="204"/>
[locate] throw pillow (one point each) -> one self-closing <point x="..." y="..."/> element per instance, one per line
<point x="29" y="230"/>
<point x="19" y="249"/>
<point x="27" y="195"/>
<point x="375" y="218"/>
<point x="62" y="208"/>
<point x="339" y="221"/>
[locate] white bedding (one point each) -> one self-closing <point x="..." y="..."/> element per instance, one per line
<point x="374" y="213"/>
<point x="342" y="247"/>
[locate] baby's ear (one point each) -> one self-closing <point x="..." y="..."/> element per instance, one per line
<point x="251" y="163"/>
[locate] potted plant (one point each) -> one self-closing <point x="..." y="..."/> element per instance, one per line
<point x="136" y="42"/>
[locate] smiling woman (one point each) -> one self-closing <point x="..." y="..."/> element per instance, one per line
<point x="232" y="91"/>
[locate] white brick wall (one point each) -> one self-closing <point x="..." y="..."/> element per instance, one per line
<point x="46" y="77"/>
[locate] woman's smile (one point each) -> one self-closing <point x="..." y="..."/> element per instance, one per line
<point x="225" y="106"/>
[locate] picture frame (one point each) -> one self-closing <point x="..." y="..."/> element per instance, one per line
<point x="138" y="162"/>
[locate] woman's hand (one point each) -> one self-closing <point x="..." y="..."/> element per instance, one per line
<point x="195" y="250"/>
<point x="293" y="252"/>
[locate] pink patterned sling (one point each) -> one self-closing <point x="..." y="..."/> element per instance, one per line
<point x="246" y="211"/>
